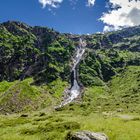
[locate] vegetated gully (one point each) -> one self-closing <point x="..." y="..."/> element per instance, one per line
<point x="75" y="89"/>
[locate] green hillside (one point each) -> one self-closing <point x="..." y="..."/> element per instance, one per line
<point x="35" y="70"/>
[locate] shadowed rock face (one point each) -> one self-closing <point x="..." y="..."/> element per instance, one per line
<point x="86" y="135"/>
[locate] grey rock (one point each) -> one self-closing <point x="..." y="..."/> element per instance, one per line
<point x="86" y="135"/>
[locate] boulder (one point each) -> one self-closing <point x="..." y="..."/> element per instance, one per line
<point x="86" y="135"/>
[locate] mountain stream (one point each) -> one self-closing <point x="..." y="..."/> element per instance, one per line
<point x="75" y="89"/>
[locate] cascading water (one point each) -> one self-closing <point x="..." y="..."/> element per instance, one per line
<point x="74" y="91"/>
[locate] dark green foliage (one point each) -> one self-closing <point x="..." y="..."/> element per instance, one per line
<point x="45" y="54"/>
<point x="99" y="66"/>
<point x="37" y="52"/>
<point x="90" y="70"/>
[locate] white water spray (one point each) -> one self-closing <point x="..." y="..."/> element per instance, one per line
<point x="74" y="91"/>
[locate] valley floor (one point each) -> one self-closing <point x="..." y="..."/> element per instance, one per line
<point x="55" y="126"/>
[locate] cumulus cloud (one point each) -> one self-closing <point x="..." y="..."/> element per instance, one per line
<point x="51" y="3"/>
<point x="123" y="13"/>
<point x="55" y="3"/>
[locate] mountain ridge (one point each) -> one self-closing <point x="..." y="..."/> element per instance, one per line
<point x="45" y="56"/>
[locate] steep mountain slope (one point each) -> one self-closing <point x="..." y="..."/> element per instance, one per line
<point x="44" y="56"/>
<point x="37" y="52"/>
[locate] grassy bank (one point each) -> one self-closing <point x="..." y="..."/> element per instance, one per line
<point x="40" y="126"/>
<point x="112" y="109"/>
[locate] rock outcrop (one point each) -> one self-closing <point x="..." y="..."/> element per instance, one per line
<point x="86" y="135"/>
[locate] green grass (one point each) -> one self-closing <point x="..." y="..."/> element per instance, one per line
<point x="5" y="86"/>
<point x="56" y="126"/>
<point x="56" y="88"/>
<point x="24" y="96"/>
<point x="120" y="93"/>
<point x="125" y="89"/>
<point x="101" y="110"/>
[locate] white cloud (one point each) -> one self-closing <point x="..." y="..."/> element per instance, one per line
<point x="110" y="28"/>
<point x="51" y="3"/>
<point x="55" y="3"/>
<point x="91" y="2"/>
<point x="124" y="13"/>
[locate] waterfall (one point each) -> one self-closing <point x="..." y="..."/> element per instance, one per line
<point x="75" y="89"/>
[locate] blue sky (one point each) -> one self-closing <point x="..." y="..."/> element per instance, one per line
<point x="67" y="17"/>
